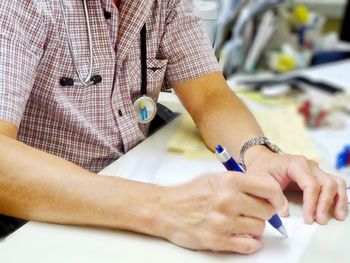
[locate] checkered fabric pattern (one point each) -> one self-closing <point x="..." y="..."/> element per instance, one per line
<point x="92" y="126"/>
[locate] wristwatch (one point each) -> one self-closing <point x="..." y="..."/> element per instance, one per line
<point x="262" y="140"/>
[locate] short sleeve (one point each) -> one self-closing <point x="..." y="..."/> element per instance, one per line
<point x="22" y="39"/>
<point x="186" y="44"/>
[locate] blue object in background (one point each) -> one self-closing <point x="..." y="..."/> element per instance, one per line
<point x="325" y="57"/>
<point x="343" y="158"/>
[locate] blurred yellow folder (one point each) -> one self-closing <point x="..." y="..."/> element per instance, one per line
<point x="282" y="125"/>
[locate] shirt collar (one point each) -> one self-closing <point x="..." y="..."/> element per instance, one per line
<point x="133" y="16"/>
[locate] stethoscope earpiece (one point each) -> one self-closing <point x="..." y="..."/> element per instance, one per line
<point x="69" y="82"/>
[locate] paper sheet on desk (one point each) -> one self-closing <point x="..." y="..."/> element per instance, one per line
<point x="188" y="142"/>
<point x="282" y="125"/>
<point x="278" y="249"/>
<point x="178" y="170"/>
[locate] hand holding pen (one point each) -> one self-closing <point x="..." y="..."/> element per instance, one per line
<point x="230" y="164"/>
<point x="223" y="211"/>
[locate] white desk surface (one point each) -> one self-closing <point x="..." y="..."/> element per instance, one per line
<point x="39" y="242"/>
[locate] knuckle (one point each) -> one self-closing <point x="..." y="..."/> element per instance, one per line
<point x="215" y="243"/>
<point x="268" y="213"/>
<point x="275" y="188"/>
<point x="218" y="221"/>
<point x="228" y="180"/>
<point x="223" y="197"/>
<point x="325" y="204"/>
<point x="276" y="192"/>
<point x="331" y="184"/>
<point x="314" y="185"/>
<point x="261" y="228"/>
<point x="299" y="160"/>
<point x="270" y="184"/>
<point x="248" y="248"/>
<point x="313" y="164"/>
<point x="271" y="211"/>
<point x="226" y="199"/>
<point x="341" y="182"/>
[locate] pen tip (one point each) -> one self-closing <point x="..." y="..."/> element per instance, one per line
<point x="283" y="231"/>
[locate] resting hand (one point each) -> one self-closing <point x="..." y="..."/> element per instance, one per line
<point x="214" y="211"/>
<point x="323" y="194"/>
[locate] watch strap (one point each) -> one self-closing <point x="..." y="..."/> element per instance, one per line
<point x="261" y="140"/>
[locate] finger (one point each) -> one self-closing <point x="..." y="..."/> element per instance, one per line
<point x="241" y="245"/>
<point x="341" y="203"/>
<point x="256" y="207"/>
<point x="285" y="210"/>
<point x="250" y="226"/>
<point x="264" y="187"/>
<point x="333" y="192"/>
<point x="326" y="198"/>
<point x="300" y="172"/>
<point x="310" y="198"/>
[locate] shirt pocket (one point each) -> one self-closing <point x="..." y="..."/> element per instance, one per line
<point x="156" y="69"/>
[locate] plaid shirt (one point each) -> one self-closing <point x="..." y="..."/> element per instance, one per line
<point x="92" y="126"/>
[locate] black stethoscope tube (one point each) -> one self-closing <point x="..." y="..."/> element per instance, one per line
<point x="143" y="61"/>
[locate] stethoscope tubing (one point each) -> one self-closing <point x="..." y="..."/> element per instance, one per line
<point x="85" y="81"/>
<point x="145" y="107"/>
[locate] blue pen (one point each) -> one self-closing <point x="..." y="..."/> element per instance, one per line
<point x="225" y="157"/>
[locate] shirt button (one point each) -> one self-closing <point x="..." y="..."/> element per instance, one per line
<point x="107" y="15"/>
<point x="120" y="113"/>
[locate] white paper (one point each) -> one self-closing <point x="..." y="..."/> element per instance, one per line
<point x="279" y="249"/>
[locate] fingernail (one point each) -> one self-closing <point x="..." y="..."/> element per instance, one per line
<point x="343" y="214"/>
<point x="323" y="219"/>
<point x="309" y="220"/>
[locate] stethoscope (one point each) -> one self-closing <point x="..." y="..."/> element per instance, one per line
<point x="145" y="107"/>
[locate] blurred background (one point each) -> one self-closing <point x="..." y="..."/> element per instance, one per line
<point x="277" y="35"/>
<point x="289" y="60"/>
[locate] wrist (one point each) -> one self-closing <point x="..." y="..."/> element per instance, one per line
<point x="139" y="209"/>
<point x="152" y="215"/>
<point x="257" y="154"/>
<point x="166" y="221"/>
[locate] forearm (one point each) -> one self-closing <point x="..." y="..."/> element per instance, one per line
<point x="38" y="186"/>
<point x="221" y="117"/>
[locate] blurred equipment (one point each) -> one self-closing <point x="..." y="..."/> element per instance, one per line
<point x="264" y="32"/>
<point x="233" y="54"/>
<point x="294" y="80"/>
<point x="229" y="10"/>
<point x="208" y="11"/>
<point x="345" y="33"/>
<point x="314" y="115"/>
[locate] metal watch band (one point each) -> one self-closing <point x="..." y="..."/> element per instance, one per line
<point x="262" y="140"/>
